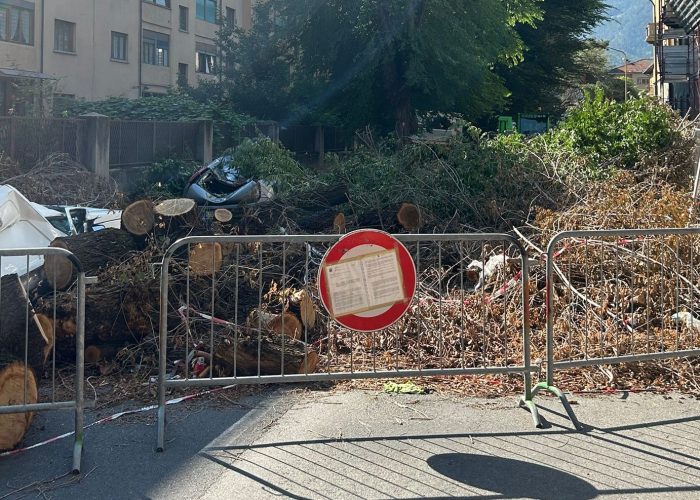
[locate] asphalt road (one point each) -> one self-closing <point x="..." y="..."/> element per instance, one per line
<point x="318" y="444"/>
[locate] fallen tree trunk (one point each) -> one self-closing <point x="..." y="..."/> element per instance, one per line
<point x="244" y="357"/>
<point x="22" y="337"/>
<point x="94" y="250"/>
<point x="115" y="314"/>
<point x="17" y="320"/>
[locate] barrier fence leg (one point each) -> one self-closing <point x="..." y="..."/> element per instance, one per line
<point x="526" y="399"/>
<point x="548" y="386"/>
<point x="79" y="376"/>
<point x="162" y="355"/>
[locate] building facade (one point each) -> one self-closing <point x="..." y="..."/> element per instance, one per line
<point x="675" y="35"/>
<point x="636" y="72"/>
<point x="94" y="49"/>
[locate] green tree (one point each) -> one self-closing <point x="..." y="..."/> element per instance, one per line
<point x="553" y="57"/>
<point x="375" y="62"/>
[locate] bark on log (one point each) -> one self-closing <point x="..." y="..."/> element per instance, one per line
<point x="115" y="314"/>
<point x="94" y="250"/>
<point x="245" y="356"/>
<point x="18" y="319"/>
<point x="14" y="426"/>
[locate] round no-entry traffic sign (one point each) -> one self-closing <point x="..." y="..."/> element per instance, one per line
<point x="367" y="280"/>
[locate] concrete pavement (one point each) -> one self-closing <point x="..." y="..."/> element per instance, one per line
<point x="319" y="444"/>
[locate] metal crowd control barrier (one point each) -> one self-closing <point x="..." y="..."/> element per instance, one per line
<point x="458" y="322"/>
<point x="22" y="262"/>
<point x="627" y="295"/>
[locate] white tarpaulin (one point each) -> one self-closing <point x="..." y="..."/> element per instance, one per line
<point x="22" y="226"/>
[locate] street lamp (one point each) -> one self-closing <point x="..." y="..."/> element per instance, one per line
<point x="625" y="55"/>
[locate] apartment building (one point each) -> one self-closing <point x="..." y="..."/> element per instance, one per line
<point x="675" y="35"/>
<point x="93" y="49"/>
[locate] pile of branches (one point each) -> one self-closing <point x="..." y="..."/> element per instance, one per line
<point x="59" y="180"/>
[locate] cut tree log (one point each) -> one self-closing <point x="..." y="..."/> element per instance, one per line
<point x="94" y="250"/>
<point x="245" y="356"/>
<point x="14" y="426"/>
<point x="175" y="207"/>
<point x="286" y="324"/>
<point x="339" y="223"/>
<point x="300" y="305"/>
<point x="223" y="215"/>
<point x="409" y="216"/>
<point x="138" y="218"/>
<point x="175" y="217"/>
<point x="205" y="258"/>
<point x="18" y="320"/>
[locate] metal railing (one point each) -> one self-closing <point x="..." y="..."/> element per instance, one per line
<point x="620" y="296"/>
<point x="29" y="140"/>
<point x="469" y="315"/>
<point x="20" y="277"/>
<point x="134" y="143"/>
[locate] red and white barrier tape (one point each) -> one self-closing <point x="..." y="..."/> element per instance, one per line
<point x="114" y="417"/>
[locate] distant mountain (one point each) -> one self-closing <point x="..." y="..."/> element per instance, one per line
<point x="626" y="29"/>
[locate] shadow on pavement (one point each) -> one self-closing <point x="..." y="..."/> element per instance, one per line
<point x="649" y="458"/>
<point x="511" y="478"/>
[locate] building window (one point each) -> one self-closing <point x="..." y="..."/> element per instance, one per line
<point x="119" y="46"/>
<point x="184" y="18"/>
<point x="182" y="74"/>
<point x="231" y="17"/>
<point x="206" y="10"/>
<point x="156" y="48"/>
<point x="64" y="36"/>
<point x="205" y="63"/>
<point x="162" y="3"/>
<point x="16" y="25"/>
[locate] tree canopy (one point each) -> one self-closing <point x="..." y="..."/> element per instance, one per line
<point x="375" y="61"/>
<point x="384" y="62"/>
<point x="557" y="50"/>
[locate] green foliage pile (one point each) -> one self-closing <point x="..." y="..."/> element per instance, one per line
<point x="165" y="179"/>
<point x="477" y="181"/>
<point x="606" y="131"/>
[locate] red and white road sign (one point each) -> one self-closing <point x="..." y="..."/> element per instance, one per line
<point x="367" y="280"/>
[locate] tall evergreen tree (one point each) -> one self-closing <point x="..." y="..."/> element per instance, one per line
<point x="553" y="55"/>
<point x="376" y="61"/>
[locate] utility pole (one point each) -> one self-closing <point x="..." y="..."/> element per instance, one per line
<point x="625" y="55"/>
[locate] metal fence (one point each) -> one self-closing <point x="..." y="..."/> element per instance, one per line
<point x="30" y="140"/>
<point x="134" y="143"/>
<point x="31" y="341"/>
<point x="221" y="295"/>
<point x="619" y="296"/>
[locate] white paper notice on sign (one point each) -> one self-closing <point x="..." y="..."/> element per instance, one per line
<point x="365" y="283"/>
